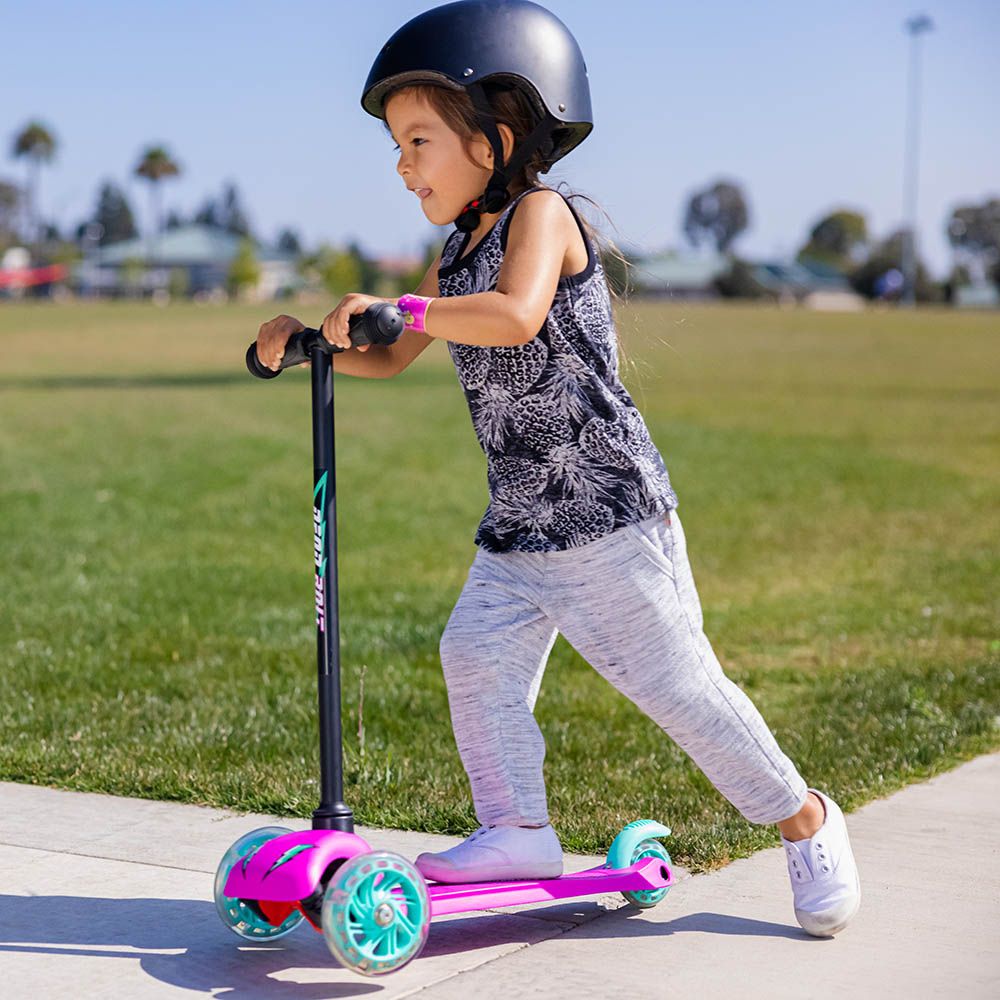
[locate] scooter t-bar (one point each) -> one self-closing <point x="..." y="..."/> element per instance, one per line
<point x="380" y="323"/>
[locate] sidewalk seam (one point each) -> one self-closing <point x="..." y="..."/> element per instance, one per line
<point x="103" y="857"/>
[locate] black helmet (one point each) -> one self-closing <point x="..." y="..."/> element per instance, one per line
<point x="462" y="45"/>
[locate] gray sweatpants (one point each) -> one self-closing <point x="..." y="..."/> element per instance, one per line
<point x="627" y="603"/>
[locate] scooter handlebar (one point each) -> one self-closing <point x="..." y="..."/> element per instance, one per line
<point x="380" y="323"/>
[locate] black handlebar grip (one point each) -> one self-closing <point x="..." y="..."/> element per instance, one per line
<point x="380" y="323"/>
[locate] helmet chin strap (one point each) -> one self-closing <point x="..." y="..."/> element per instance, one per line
<point x="497" y="194"/>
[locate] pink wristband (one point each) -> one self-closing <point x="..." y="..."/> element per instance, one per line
<point x="414" y="309"/>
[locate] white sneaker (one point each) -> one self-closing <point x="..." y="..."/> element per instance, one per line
<point x="824" y="877"/>
<point x="496" y="853"/>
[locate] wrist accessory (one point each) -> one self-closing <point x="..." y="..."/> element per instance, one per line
<point x="414" y="309"/>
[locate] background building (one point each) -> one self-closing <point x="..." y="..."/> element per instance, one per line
<point x="194" y="259"/>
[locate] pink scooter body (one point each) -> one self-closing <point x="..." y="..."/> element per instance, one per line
<point x="643" y="875"/>
<point x="290" y="867"/>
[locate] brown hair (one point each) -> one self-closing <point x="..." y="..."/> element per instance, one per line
<point x="513" y="108"/>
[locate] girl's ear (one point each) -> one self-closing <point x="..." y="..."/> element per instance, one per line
<point x="506" y="140"/>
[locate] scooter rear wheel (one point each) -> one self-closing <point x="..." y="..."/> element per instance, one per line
<point x="241" y="916"/>
<point x="376" y="913"/>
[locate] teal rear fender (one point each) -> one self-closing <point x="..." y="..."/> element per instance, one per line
<point x="631" y="836"/>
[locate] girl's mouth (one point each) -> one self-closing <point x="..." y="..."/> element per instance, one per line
<point x="422" y="192"/>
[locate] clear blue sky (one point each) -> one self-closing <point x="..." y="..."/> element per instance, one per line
<point x="803" y="103"/>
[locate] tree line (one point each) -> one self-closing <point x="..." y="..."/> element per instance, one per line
<point x="715" y="216"/>
<point x="841" y="242"/>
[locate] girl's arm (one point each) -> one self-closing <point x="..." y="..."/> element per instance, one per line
<point x="373" y="361"/>
<point x="537" y="241"/>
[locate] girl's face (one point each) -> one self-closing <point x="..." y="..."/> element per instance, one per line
<point x="432" y="159"/>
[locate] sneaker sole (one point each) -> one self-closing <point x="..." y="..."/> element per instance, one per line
<point x="818" y="930"/>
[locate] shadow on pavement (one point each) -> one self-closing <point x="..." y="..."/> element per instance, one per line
<point x="713" y="923"/>
<point x="182" y="942"/>
<point x="192" y="948"/>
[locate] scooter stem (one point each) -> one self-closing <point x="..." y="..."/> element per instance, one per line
<point x="332" y="813"/>
<point x="380" y="324"/>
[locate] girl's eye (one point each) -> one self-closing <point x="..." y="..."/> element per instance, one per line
<point x="415" y="141"/>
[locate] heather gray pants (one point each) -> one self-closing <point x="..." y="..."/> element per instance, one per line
<point x="627" y="603"/>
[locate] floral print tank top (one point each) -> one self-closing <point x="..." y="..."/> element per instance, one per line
<point x="568" y="456"/>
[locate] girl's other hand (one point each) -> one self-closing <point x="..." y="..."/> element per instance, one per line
<point x="335" y="326"/>
<point x="272" y="337"/>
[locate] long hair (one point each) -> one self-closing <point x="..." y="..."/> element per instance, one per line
<point x="512" y="108"/>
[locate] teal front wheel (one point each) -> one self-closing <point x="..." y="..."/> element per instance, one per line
<point x="376" y="913"/>
<point x="243" y="916"/>
<point x="645" y="898"/>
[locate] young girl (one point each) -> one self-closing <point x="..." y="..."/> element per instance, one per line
<point x="581" y="535"/>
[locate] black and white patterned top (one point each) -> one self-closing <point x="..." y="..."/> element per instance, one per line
<point x="569" y="457"/>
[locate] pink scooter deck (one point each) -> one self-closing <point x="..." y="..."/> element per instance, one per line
<point x="644" y="875"/>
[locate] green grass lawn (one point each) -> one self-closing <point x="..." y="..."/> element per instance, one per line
<point x="839" y="483"/>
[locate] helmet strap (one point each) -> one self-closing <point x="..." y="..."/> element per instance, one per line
<point x="497" y="194"/>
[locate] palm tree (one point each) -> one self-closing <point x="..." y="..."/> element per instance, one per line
<point x="38" y="144"/>
<point x="154" y="166"/>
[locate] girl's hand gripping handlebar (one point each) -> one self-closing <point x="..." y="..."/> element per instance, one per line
<point x="380" y="323"/>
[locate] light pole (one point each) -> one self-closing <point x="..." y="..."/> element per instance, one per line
<point x="915" y="26"/>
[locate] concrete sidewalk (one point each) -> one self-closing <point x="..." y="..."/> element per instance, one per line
<point x="110" y="897"/>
